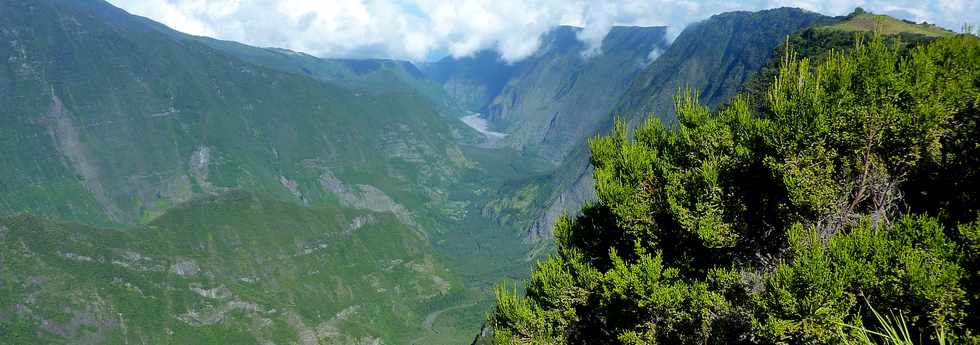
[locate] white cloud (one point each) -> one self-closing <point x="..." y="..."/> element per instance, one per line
<point x="420" y="29"/>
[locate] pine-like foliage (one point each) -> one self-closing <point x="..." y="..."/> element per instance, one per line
<point x="779" y="223"/>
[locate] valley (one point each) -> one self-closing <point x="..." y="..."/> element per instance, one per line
<point x="158" y="187"/>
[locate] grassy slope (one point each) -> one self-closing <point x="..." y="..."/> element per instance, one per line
<point x="886" y="25"/>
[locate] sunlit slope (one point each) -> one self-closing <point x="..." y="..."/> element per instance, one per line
<point x="861" y="21"/>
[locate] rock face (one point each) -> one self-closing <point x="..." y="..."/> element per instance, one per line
<point x="475" y="81"/>
<point x="558" y="96"/>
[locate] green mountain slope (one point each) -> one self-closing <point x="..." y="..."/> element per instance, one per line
<point x="363" y="75"/>
<point x="713" y="58"/>
<point x="234" y="269"/>
<point x="113" y="121"/>
<point x="138" y="121"/>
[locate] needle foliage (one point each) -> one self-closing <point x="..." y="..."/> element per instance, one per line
<point x="854" y="181"/>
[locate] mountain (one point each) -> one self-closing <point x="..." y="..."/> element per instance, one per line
<point x="139" y="121"/>
<point x="573" y="183"/>
<point x="713" y="58"/>
<point x="556" y="97"/>
<point x="716" y="58"/>
<point x="472" y="82"/>
<point x="121" y="124"/>
<point x="362" y="75"/>
<point x="159" y="187"/>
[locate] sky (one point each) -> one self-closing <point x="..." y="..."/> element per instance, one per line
<point x="422" y="30"/>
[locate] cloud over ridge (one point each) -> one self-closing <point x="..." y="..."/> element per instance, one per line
<point x="419" y="30"/>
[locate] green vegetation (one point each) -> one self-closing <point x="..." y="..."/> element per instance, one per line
<point x="235" y="269"/>
<point x="861" y="21"/>
<point x="229" y="194"/>
<point x="137" y="121"/>
<point x="854" y="181"/>
<point x="116" y="122"/>
<point x="714" y="58"/>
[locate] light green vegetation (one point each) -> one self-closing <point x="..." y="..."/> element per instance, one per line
<point x="861" y="21"/>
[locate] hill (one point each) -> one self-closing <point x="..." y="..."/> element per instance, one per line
<point x="861" y="21"/>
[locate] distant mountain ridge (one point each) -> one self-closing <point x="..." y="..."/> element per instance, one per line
<point x="558" y="95"/>
<point x="713" y="58"/>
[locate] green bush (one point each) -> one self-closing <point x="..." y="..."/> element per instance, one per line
<point x="909" y="267"/>
<point x="768" y="224"/>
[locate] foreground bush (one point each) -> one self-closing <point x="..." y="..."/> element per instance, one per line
<point x="856" y="180"/>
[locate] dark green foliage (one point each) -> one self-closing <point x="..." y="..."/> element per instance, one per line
<point x="909" y="267"/>
<point x="772" y="224"/>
